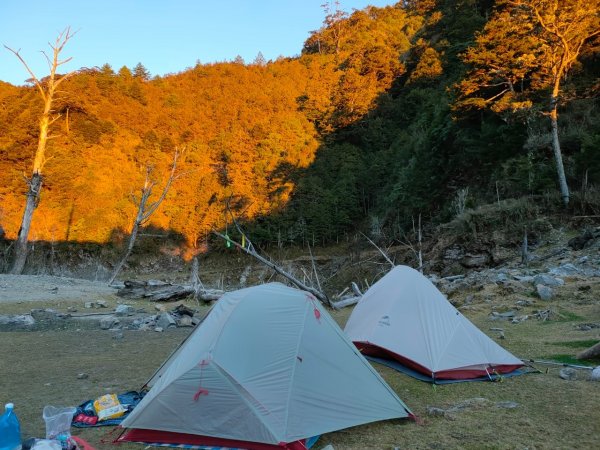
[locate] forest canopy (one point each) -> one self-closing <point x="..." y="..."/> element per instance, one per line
<point x="387" y="113"/>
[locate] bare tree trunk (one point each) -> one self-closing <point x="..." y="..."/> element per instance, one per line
<point x="145" y="210"/>
<point x="562" y="180"/>
<point x="130" y="244"/>
<point x="47" y="88"/>
<point x="33" y="196"/>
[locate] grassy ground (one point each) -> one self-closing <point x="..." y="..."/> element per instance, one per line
<point x="40" y="368"/>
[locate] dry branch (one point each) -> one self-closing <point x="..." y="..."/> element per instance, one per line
<point x="249" y="249"/>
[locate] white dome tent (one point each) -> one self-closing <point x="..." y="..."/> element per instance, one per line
<point x="405" y="321"/>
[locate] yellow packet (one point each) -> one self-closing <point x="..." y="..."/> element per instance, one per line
<point x="108" y="407"/>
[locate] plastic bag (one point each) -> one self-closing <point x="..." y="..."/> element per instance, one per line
<point x="58" y="423"/>
<point x="108" y="407"/>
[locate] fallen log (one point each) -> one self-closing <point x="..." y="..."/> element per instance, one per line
<point x="156" y="291"/>
<point x="592" y="352"/>
<point x="345" y="302"/>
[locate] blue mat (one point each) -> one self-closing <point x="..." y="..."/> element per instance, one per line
<point x="393" y="364"/>
<point x="128" y="399"/>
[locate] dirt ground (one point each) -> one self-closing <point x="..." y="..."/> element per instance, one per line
<point x="43" y="367"/>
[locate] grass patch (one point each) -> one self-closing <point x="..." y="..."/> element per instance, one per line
<point x="576" y="344"/>
<point x="570" y="359"/>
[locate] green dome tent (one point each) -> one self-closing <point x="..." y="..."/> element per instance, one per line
<point x="267" y="368"/>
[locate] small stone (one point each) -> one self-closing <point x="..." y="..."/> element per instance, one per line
<point x="101" y="304"/>
<point x="82" y="376"/>
<point x="544" y="292"/>
<point x="433" y="411"/>
<point x="158" y="329"/>
<point x="88" y="305"/>
<point x="525" y="302"/>
<point x="547" y="280"/>
<point x="106" y="323"/>
<point x="166" y="320"/>
<point x="184" y="321"/>
<point x="124" y="310"/>
<point x="595" y="376"/>
<point x="159" y="307"/>
<point x="72" y="309"/>
<point x="568" y="374"/>
<point x="507" y="405"/>
<point x="118" y="335"/>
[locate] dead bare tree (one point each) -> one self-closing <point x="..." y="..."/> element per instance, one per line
<point x="145" y="209"/>
<point x="383" y="253"/>
<point x="47" y="88"/>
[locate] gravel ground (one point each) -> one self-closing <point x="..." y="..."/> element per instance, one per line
<point x="33" y="288"/>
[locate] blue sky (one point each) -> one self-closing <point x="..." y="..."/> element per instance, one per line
<point x="167" y="36"/>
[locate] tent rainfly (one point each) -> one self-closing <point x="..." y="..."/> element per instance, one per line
<point x="268" y="368"/>
<point x="404" y="318"/>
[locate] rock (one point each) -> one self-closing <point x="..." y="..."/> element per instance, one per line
<point x="159" y="307"/>
<point x="106" y="323"/>
<point x="101" y="304"/>
<point x="72" y="309"/>
<point x="507" y="405"/>
<point x="184" y="310"/>
<point x="82" y="376"/>
<point x="433" y="411"/>
<point x="595" y="375"/>
<point x="544" y="292"/>
<point x="524" y="278"/>
<point x="568" y="374"/>
<point x="158" y="329"/>
<point x="185" y="321"/>
<point x="44" y="314"/>
<point x="165" y="321"/>
<point x="565" y="270"/>
<point x="525" y="302"/>
<point x="580" y="242"/>
<point x="196" y="321"/>
<point x="20" y="320"/>
<point x="502" y="316"/>
<point x="519" y="319"/>
<point x="547" y="280"/>
<point x="88" y="305"/>
<point x="124" y="310"/>
<point x="500" y="277"/>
